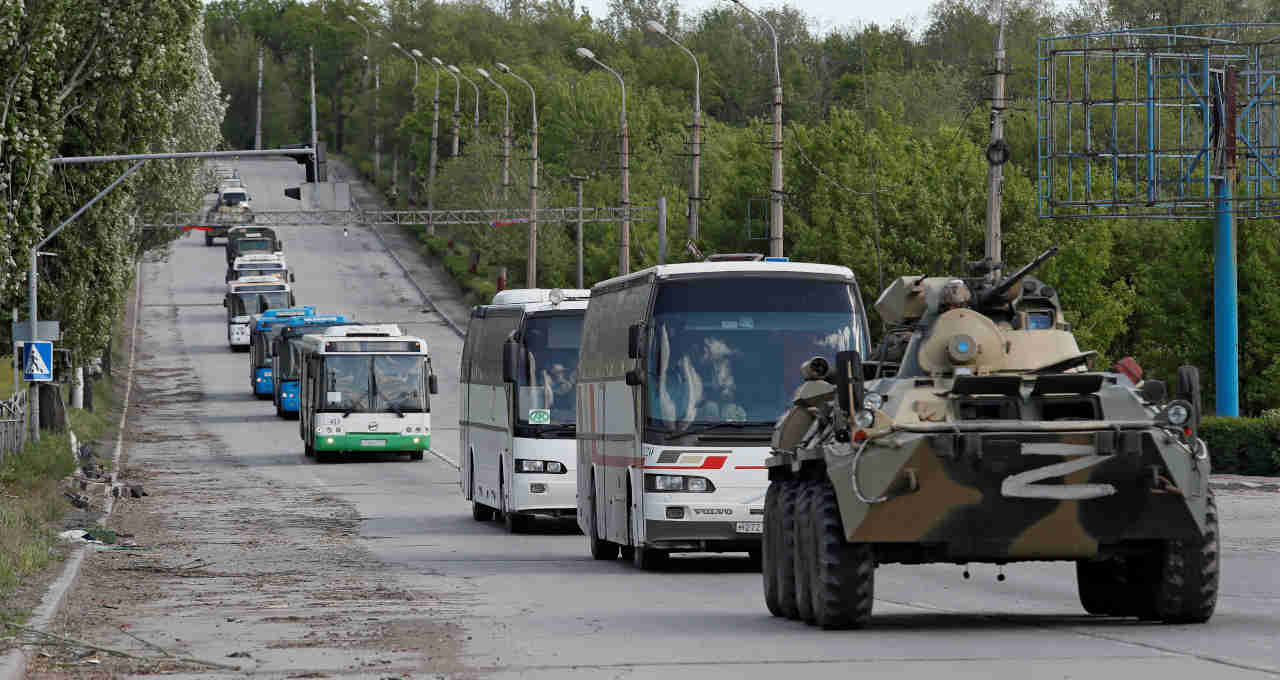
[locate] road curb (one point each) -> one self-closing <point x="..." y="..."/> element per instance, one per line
<point x="13" y="665"/>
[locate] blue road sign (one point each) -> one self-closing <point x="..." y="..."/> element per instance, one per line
<point x="37" y="361"/>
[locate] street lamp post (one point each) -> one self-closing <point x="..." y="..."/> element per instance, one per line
<point x="531" y="279"/>
<point x="414" y="55"/>
<point x="457" y="95"/>
<point x="475" y="117"/>
<point x="377" y="86"/>
<point x="624" y="245"/>
<point x="694" y="181"/>
<point x="775" y="225"/>
<point x="435" y="143"/>
<point x="506" y="132"/>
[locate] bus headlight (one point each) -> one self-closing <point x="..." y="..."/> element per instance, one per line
<point x="678" y="484"/>
<point x="553" y="467"/>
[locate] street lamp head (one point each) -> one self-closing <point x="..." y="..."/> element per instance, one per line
<point x="586" y="53"/>
<point x="454" y="69"/>
<point x="503" y="67"/>
<point x="353" y="18"/>
<point x="655" y="27"/>
<point x="436" y="61"/>
<point x="482" y="72"/>
<point x="396" y="45"/>
<point x="417" y="53"/>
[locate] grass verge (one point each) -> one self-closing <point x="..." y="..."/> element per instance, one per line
<point x="31" y="503"/>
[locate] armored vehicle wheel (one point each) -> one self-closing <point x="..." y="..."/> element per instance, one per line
<point x="784" y="558"/>
<point x="803" y="554"/>
<point x="1101" y="586"/>
<point x="649" y="559"/>
<point x="481" y="513"/>
<point x="844" y="573"/>
<point x="769" y="543"/>
<point x="1188" y="587"/>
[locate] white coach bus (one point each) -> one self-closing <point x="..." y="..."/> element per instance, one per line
<point x="519" y="369"/>
<point x="683" y="371"/>
<point x="364" y="389"/>
<point x="251" y="295"/>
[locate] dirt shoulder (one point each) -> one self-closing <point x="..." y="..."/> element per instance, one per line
<point x="222" y="571"/>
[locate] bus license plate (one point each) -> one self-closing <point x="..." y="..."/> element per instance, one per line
<point x="750" y="527"/>
<point x="381" y="442"/>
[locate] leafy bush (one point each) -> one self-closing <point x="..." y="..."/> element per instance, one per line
<point x="1247" y="446"/>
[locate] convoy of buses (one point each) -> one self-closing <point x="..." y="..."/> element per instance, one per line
<point x="643" y="408"/>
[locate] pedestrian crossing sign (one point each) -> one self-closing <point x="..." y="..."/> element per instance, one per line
<point x="37" y="361"/>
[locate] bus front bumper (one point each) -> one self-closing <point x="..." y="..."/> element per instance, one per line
<point x="263" y="384"/>
<point x="238" y="334"/>
<point x="352" y="443"/>
<point x="540" y="493"/>
<point x="702" y="536"/>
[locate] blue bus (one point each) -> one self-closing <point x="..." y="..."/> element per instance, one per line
<point x="260" y="326"/>
<point x="284" y="353"/>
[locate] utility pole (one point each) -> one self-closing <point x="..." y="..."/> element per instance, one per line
<point x="435" y="144"/>
<point x="662" y="230"/>
<point x="776" y="189"/>
<point x="257" y="128"/>
<point x="577" y="180"/>
<point x="997" y="154"/>
<point x="377" y="125"/>
<point x="311" y="57"/>
<point x="624" y="246"/>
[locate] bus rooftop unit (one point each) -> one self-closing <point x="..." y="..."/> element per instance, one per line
<point x="259" y="264"/>
<point x="248" y="296"/>
<point x="364" y="388"/>
<point x="261" y="383"/>
<point x="519" y="368"/>
<point x="285" y="350"/>
<point x="683" y="371"/>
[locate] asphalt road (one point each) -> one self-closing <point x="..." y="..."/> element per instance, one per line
<point x="538" y="606"/>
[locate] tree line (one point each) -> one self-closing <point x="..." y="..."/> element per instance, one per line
<point x="883" y="148"/>
<point x="112" y="77"/>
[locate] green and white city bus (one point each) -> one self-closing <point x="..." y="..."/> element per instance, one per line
<point x="362" y="389"/>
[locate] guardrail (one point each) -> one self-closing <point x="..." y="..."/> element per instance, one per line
<point x="13" y="425"/>
<point x="489" y="216"/>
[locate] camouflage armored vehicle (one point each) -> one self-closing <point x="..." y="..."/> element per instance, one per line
<point x="994" y="442"/>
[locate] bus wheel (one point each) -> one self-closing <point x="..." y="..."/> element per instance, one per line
<point x="324" y="456"/>
<point x="308" y="450"/>
<point x="627" y="552"/>
<point x="600" y="548"/>
<point x="208" y="239"/>
<point x="649" y="559"/>
<point x="803" y="555"/>
<point x="481" y="513"/>
<point x="515" y="522"/>
<point x="844" y="573"/>
<point x="784" y="557"/>
<point x="416" y="455"/>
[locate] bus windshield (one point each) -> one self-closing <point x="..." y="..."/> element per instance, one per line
<point x="374" y="384"/>
<point x="248" y="244"/>
<point x="730" y="350"/>
<point x="244" y="304"/>
<point x="548" y="380"/>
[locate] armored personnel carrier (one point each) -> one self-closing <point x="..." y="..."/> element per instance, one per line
<point x="993" y="442"/>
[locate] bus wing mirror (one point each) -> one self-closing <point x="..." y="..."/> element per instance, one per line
<point x="433" y="385"/>
<point x="635" y="341"/>
<point x="510" y="360"/>
<point x="849" y="387"/>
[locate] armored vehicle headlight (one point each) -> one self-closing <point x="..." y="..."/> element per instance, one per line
<point x="864" y="419"/>
<point x="1178" y="414"/>
<point x="873" y="401"/>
